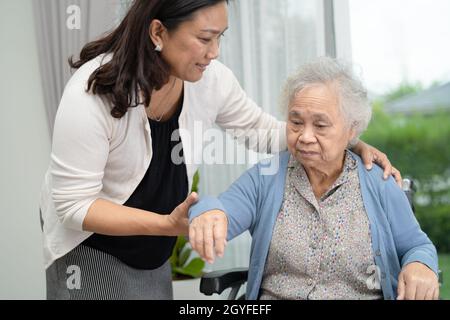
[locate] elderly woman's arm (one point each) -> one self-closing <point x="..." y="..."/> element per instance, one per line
<point x="213" y="221"/>
<point x="418" y="279"/>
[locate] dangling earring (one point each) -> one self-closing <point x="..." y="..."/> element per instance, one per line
<point x="158" y="48"/>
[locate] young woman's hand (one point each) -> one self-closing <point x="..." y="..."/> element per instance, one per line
<point x="370" y="154"/>
<point x="208" y="234"/>
<point x="178" y="222"/>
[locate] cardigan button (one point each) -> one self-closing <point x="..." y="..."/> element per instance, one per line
<point x="378" y="253"/>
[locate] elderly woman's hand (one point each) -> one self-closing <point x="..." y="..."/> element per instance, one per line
<point x="417" y="282"/>
<point x="208" y="234"/>
<point x="370" y="154"/>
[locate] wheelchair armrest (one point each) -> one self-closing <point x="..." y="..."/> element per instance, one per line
<point x="218" y="281"/>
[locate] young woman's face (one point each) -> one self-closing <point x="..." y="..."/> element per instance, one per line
<point x="190" y="48"/>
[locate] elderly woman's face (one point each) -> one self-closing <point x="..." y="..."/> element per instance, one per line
<point x="316" y="130"/>
<point x="194" y="44"/>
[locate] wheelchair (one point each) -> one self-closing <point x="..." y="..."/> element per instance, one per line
<point x="217" y="282"/>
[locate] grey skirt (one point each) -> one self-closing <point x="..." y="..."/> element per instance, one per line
<point x="89" y="274"/>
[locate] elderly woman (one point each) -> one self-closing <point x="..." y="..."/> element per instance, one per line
<point x="323" y="227"/>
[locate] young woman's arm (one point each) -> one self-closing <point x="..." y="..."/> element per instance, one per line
<point x="80" y="151"/>
<point x="107" y="218"/>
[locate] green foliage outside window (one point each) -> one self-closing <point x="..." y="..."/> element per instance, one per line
<point x="419" y="146"/>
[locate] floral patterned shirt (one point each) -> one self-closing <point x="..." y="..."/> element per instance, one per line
<point x="321" y="249"/>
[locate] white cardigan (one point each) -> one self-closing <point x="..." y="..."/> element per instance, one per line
<point x="97" y="156"/>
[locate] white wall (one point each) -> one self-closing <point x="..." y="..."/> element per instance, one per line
<point x="25" y="149"/>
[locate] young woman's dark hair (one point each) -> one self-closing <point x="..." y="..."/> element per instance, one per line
<point x="135" y="66"/>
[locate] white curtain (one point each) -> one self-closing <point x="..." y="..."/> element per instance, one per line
<point x="57" y="42"/>
<point x="267" y="40"/>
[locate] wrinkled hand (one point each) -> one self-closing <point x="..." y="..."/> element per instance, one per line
<point x="417" y="282"/>
<point x="178" y="221"/>
<point x="370" y="154"/>
<point x="208" y="234"/>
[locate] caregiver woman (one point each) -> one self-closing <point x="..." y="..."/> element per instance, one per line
<point x="113" y="201"/>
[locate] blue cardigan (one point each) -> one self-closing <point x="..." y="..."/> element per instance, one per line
<point x="254" y="201"/>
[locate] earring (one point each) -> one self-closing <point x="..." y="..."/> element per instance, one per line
<point x="158" y="48"/>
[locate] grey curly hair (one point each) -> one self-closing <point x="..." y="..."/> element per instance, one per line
<point x="352" y="95"/>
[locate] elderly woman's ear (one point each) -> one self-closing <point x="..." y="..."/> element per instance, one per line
<point x="352" y="134"/>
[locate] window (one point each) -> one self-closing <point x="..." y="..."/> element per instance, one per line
<point x="401" y="41"/>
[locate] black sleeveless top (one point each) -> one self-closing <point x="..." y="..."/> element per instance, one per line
<point x="163" y="188"/>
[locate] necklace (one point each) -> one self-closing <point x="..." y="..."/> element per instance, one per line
<point x="152" y="115"/>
